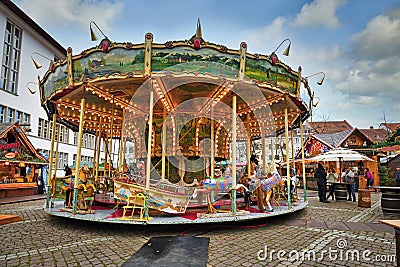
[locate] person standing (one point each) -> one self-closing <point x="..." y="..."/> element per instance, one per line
<point x="331" y="180"/>
<point x="350" y="187"/>
<point x="320" y="175"/>
<point x="369" y="177"/>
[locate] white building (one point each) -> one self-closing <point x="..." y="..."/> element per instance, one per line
<point x="21" y="40"/>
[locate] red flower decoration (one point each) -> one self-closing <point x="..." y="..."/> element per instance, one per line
<point x="196" y="43"/>
<point x="104" y="46"/>
<point x="274" y="58"/>
<point x="243" y="45"/>
<point x="149" y="35"/>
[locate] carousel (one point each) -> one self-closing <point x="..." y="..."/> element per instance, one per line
<point x="182" y="108"/>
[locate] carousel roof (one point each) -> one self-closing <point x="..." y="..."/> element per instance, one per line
<point x="187" y="77"/>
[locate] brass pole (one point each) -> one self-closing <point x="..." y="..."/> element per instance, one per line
<point x="234" y="155"/>
<point x="212" y="151"/>
<point x="302" y="160"/>
<point x="78" y="156"/>
<point x="148" y="162"/>
<point x="287" y="157"/>
<point x="248" y="146"/>
<point x="98" y="149"/>
<point x="121" y="144"/>
<point x="111" y="138"/>
<point x="164" y="144"/>
<point x="51" y="159"/>
<point x="57" y="142"/>
<point x="264" y="156"/>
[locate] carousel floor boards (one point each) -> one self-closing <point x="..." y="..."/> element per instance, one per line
<point x="171" y="251"/>
<point x="109" y="215"/>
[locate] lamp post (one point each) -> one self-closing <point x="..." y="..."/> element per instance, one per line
<point x="304" y="80"/>
<point x="37" y="64"/>
<point x="92" y="34"/>
<point x="30" y="89"/>
<point x="287" y="50"/>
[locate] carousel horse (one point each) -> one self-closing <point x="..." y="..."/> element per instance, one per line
<point x="223" y="184"/>
<point x="265" y="187"/>
<point x="84" y="174"/>
<point x="85" y="190"/>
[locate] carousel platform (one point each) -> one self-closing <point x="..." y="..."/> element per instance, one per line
<point x="192" y="215"/>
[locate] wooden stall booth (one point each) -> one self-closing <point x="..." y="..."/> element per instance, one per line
<point x="20" y="163"/>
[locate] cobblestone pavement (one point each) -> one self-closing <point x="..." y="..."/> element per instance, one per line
<point x="324" y="234"/>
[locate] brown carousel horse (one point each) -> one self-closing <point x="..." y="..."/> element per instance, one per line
<point x="85" y="190"/>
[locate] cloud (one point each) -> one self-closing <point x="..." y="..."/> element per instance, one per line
<point x="53" y="14"/>
<point x="319" y="12"/>
<point x="380" y="39"/>
<point x="271" y="34"/>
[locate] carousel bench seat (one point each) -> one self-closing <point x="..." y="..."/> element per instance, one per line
<point x="134" y="202"/>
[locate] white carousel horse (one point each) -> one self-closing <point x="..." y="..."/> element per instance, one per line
<point x="265" y="187"/>
<point x="223" y="184"/>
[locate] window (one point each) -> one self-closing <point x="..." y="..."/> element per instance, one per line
<point x="11" y="57"/>
<point x="45" y="130"/>
<point x="83" y="158"/>
<point x="62" y="160"/>
<point x="2" y="114"/>
<point x="10" y="115"/>
<point x="87" y="140"/>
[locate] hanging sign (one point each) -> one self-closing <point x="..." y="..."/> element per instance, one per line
<point x="10" y="146"/>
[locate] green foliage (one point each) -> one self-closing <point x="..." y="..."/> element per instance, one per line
<point x="386" y="176"/>
<point x="385" y="143"/>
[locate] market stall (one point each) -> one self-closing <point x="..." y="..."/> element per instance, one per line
<point x="20" y="163"/>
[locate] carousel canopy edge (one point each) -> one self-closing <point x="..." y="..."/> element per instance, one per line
<point x="112" y="60"/>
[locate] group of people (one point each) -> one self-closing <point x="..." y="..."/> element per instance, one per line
<point x="331" y="177"/>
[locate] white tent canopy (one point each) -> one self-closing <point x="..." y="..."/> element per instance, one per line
<point x="341" y="154"/>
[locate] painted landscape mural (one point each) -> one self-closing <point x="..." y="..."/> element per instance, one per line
<point x="263" y="70"/>
<point x="116" y="61"/>
<point x="185" y="59"/>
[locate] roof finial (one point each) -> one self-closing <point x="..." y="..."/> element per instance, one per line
<point x="198" y="31"/>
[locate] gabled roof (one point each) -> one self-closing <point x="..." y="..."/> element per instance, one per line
<point x="375" y="135"/>
<point x="390" y="126"/>
<point x="6" y="128"/>
<point x="328" y="127"/>
<point x="333" y="139"/>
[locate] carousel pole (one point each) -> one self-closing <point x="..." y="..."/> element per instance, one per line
<point x="98" y="148"/>
<point x="57" y="142"/>
<point x="264" y="157"/>
<point x="78" y="156"/>
<point x="148" y="162"/>
<point x="233" y="156"/>
<point x="248" y="146"/>
<point x="287" y="157"/>
<point x="163" y="145"/>
<point x="303" y="165"/>
<point x="121" y="145"/>
<point x="51" y="159"/>
<point x="273" y="157"/>
<point x="111" y="138"/>
<point x="212" y="151"/>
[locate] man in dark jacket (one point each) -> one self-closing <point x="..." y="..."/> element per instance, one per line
<point x="320" y="175"/>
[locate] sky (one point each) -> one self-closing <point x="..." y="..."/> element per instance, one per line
<point x="356" y="43"/>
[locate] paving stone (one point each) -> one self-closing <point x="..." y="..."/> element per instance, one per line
<point x="359" y="227"/>
<point x="316" y="224"/>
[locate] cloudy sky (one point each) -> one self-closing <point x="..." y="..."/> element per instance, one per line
<point x="356" y="43"/>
